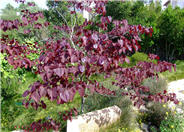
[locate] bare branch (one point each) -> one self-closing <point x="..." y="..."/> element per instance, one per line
<point x="62" y="17"/>
<point x="71" y="35"/>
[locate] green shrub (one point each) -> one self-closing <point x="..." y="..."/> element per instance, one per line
<point x="137" y="57"/>
<point x="173" y="123"/>
<point x="156" y="85"/>
<point x="156" y="112"/>
<point x="128" y="117"/>
<point x="53" y="111"/>
<point x="171" y="42"/>
<point x="11" y="98"/>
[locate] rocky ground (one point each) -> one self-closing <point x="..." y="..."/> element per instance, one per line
<point x="178" y="88"/>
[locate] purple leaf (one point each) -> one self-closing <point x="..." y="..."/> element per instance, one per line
<point x="83" y="59"/>
<point x="31" y="4"/>
<point x="81" y="68"/>
<point x="91" y="88"/>
<point x="59" y="71"/>
<point x="81" y="91"/>
<point x="101" y="61"/>
<point x="94" y="37"/>
<point x="109" y="19"/>
<point x="43" y="91"/>
<point x="73" y="59"/>
<point x="65" y="95"/>
<point x="25" y="93"/>
<point x="52" y="93"/>
<point x="127" y="60"/>
<point x="35" y="96"/>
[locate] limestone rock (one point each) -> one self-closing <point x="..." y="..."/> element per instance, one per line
<point x="93" y="121"/>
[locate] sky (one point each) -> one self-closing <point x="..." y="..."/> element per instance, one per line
<point x="40" y="3"/>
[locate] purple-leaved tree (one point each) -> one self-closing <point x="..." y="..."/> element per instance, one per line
<point x="66" y="64"/>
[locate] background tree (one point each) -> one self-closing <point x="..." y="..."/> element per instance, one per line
<point x="9" y="13"/>
<point x="171" y="32"/>
<point x="166" y="39"/>
<point x="58" y="12"/>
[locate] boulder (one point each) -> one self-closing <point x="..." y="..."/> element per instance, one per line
<point x="94" y="121"/>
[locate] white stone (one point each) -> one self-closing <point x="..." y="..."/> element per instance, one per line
<point x="177" y="87"/>
<point x="93" y="121"/>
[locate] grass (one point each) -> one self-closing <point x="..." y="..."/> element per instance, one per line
<point x="179" y="74"/>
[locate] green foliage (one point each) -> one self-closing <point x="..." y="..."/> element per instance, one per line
<point x="7" y="70"/>
<point x="137" y="57"/>
<point x="173" y="123"/>
<point x="156" y="85"/>
<point x="127" y="122"/>
<point x="9" y="13"/>
<point x="119" y="10"/>
<point x="11" y="93"/>
<point x="53" y="111"/>
<point x="57" y="11"/>
<point x="128" y="117"/>
<point x="58" y="14"/>
<point x="171" y="25"/>
<point x="167" y="40"/>
<point x="156" y="112"/>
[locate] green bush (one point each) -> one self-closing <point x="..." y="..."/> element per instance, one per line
<point x="128" y="117"/>
<point x="135" y="58"/>
<point x="173" y="123"/>
<point x="156" y="85"/>
<point x="11" y="98"/>
<point x="156" y="112"/>
<point x="171" y="41"/>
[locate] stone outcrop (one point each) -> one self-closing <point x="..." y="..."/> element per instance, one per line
<point x="93" y="121"/>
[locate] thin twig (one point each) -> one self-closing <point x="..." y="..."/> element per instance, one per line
<point x="62" y="17"/>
